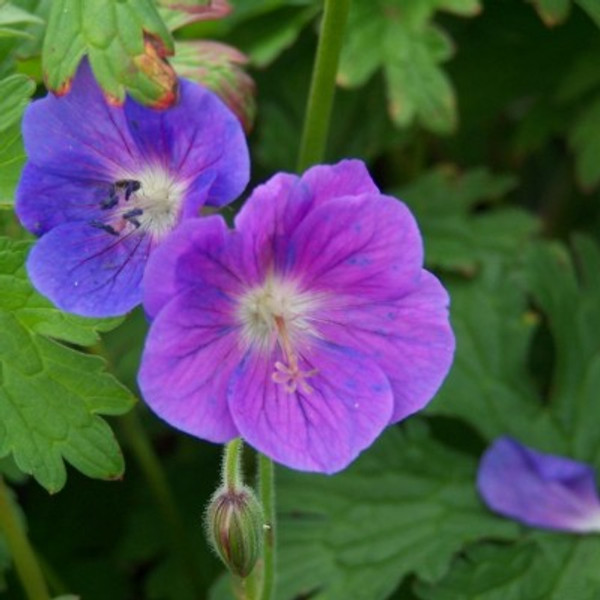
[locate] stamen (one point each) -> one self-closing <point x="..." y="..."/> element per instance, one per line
<point x="104" y="227"/>
<point x="131" y="215"/>
<point x="290" y="375"/>
<point x="129" y="185"/>
<point x="112" y="200"/>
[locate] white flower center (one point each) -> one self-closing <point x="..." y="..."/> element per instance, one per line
<point x="149" y="201"/>
<point x="277" y="312"/>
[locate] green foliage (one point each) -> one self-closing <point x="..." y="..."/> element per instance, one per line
<point x="125" y="42"/>
<point x="15" y="91"/>
<point x="461" y="226"/>
<point x="406" y="506"/>
<point x="399" y="37"/>
<point x="50" y="394"/>
<point x="11" y="15"/>
<point x="550" y="567"/>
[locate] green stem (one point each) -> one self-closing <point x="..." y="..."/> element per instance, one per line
<point x="322" y="86"/>
<point x="232" y="474"/>
<point x="26" y="564"/>
<point x="266" y="490"/>
<point x="133" y="431"/>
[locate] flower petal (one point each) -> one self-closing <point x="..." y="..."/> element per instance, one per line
<point x="276" y="208"/>
<point x="88" y="271"/>
<point x="349" y="177"/>
<point x="538" y="489"/>
<point x="367" y="246"/>
<point x="79" y="135"/>
<point x="319" y="430"/>
<point x="410" y="338"/>
<point x="188" y="359"/>
<point x="197" y="136"/>
<point x="198" y="254"/>
<point x="45" y="200"/>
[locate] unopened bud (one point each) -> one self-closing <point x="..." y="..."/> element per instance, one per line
<point x="235" y="525"/>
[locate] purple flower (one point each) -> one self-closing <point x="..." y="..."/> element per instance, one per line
<point x="541" y="490"/>
<point x="103" y="186"/>
<point x="306" y="330"/>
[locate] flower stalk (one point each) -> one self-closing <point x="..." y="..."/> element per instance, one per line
<point x="26" y="563"/>
<point x="322" y="86"/>
<point x="266" y="478"/>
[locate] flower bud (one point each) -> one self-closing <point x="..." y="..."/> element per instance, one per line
<point x="234" y="522"/>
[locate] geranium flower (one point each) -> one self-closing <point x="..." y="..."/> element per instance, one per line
<point x="538" y="489"/>
<point x="306" y="330"/>
<point x="103" y="186"/>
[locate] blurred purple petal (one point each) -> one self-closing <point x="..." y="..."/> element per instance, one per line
<point x="538" y="489"/>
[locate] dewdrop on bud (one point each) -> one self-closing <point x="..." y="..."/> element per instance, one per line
<point x="234" y="521"/>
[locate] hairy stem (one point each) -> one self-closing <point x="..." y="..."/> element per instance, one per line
<point x="232" y="473"/>
<point x="322" y="86"/>
<point x="26" y="563"/>
<point x="266" y="489"/>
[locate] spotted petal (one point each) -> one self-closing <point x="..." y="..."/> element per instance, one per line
<point x="367" y="246"/>
<point x="409" y="337"/>
<point x="321" y="429"/>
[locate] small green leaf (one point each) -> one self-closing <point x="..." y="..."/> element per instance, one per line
<point x="398" y="37"/>
<point x="13" y="15"/>
<point x="50" y="394"/>
<point x="553" y="12"/>
<point x="15" y="92"/>
<point x="126" y="43"/>
<point x="12" y="159"/>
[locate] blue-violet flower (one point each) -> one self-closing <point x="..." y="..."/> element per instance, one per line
<point x="306" y="330"/>
<point x="103" y="186"/>
<point x="538" y="489"/>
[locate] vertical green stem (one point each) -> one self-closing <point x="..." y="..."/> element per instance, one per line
<point x="322" y="86"/>
<point x="266" y="490"/>
<point x="232" y="474"/>
<point x="139" y="444"/>
<point x="28" y="568"/>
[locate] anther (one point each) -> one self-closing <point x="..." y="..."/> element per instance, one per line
<point x="104" y="227"/>
<point x="112" y="200"/>
<point x="130" y="186"/>
<point x="131" y="215"/>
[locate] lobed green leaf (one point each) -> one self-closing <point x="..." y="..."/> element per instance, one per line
<point x="51" y="395"/>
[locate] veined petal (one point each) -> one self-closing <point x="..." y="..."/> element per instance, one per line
<point x="45" y="200"/>
<point x="322" y="427"/>
<point x="410" y="338"/>
<point x="538" y="489"/>
<point x="88" y="271"/>
<point x="198" y="255"/>
<point x="367" y="246"/>
<point x="188" y="359"/>
<point x="196" y="137"/>
<point x="79" y="135"/>
<point x="278" y="207"/>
